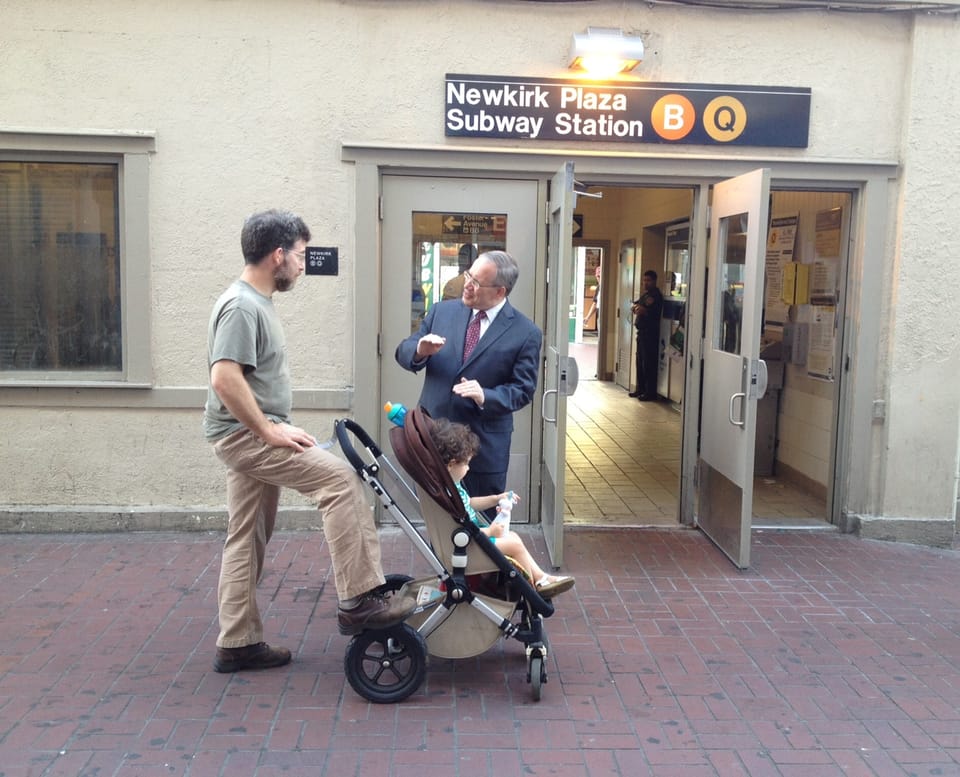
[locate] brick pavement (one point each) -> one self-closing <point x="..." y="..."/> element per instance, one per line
<point x="832" y="656"/>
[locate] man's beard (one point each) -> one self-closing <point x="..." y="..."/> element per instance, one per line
<point x="283" y="283"/>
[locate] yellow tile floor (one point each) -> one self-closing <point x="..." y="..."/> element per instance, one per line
<point x="623" y="462"/>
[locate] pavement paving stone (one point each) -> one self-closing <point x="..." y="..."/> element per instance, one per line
<point x="832" y="655"/>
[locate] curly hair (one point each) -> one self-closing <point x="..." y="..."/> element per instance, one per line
<point x="268" y="230"/>
<point x="454" y="442"/>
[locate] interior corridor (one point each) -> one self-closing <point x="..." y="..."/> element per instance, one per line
<point x="623" y="462"/>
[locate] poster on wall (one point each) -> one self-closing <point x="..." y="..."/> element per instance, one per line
<point x="827" y="239"/>
<point x="820" y="356"/>
<point x="781" y="240"/>
<point x="823" y="294"/>
<point x="823" y="282"/>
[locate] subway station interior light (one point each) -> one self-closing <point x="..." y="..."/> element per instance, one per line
<point x="605" y="51"/>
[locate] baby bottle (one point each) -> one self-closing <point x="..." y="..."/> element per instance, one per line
<point x="503" y="516"/>
<point x="396" y="413"/>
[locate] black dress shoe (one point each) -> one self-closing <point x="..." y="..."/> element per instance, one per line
<point x="647" y="397"/>
<point x="634" y="394"/>
<point x="259" y="656"/>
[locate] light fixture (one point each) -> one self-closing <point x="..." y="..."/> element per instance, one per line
<point x="605" y="51"/>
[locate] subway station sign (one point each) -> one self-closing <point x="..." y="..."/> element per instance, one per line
<point x="480" y="106"/>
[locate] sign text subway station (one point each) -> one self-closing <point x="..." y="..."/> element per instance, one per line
<point x="633" y="112"/>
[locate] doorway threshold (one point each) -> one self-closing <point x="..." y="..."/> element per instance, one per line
<point x="805" y="523"/>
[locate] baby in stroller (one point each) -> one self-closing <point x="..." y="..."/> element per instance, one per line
<point x="457" y="445"/>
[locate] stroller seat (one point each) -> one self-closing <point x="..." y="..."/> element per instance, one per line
<point x="466" y="632"/>
<point x="475" y="596"/>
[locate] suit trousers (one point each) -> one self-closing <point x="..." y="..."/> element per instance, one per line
<point x="647" y="362"/>
<point x="255" y="474"/>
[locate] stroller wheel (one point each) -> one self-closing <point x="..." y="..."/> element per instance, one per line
<point x="536" y="677"/>
<point x="386" y="665"/>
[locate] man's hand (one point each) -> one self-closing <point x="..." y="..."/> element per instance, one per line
<point x="287" y="436"/>
<point x="428" y="345"/>
<point x="469" y="389"/>
<point x="226" y="378"/>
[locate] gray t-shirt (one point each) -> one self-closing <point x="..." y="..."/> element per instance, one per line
<point x="244" y="328"/>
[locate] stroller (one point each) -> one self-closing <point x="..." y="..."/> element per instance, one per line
<point x="475" y="596"/>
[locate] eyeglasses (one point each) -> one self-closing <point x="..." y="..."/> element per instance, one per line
<point x="469" y="280"/>
<point x="301" y="255"/>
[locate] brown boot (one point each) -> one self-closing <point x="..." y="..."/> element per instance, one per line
<point x="375" y="611"/>
<point x="259" y="656"/>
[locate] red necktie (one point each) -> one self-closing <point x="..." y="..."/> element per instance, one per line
<point x="473" y="334"/>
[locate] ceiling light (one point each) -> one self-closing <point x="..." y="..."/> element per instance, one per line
<point x="605" y="51"/>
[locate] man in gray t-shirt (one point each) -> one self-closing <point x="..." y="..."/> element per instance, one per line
<point x="247" y="419"/>
<point x="244" y="328"/>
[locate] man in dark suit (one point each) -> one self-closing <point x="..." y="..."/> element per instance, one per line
<point x="482" y="362"/>
<point x="648" y="309"/>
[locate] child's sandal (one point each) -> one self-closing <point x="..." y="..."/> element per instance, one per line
<point x="549" y="586"/>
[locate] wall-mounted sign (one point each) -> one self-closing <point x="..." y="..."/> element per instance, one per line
<point x="322" y="261"/>
<point x="480" y="106"/>
<point x="461" y="227"/>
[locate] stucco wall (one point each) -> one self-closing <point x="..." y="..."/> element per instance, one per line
<point x="923" y="391"/>
<point x="250" y="102"/>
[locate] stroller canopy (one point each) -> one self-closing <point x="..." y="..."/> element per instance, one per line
<point x="419" y="457"/>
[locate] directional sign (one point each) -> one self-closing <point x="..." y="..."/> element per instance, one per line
<point x="477" y="228"/>
<point x="488" y="226"/>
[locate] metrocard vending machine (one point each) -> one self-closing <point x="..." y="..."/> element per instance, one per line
<point x="673" y="286"/>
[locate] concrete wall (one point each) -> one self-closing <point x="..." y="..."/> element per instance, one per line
<point x="251" y="101"/>
<point x="922" y="395"/>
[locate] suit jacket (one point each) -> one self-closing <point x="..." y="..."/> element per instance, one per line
<point x="506" y="362"/>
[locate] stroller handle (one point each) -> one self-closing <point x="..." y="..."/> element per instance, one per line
<point x="344" y="425"/>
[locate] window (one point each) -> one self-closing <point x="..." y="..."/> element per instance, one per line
<point x="444" y="245"/>
<point x="74" y="269"/>
<point x="59" y="267"/>
<point x="733" y="257"/>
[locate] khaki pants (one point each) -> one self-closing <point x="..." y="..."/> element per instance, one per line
<point x="255" y="474"/>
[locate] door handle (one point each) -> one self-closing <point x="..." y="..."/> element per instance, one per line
<point x="733" y="400"/>
<point x="569" y="377"/>
<point x="543" y="406"/>
<point x="759" y="379"/>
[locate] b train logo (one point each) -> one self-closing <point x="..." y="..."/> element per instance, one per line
<point x="673" y="118"/>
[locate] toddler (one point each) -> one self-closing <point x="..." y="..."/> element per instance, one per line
<point x="456" y="445"/>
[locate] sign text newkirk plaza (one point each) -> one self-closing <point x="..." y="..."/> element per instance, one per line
<point x="634" y="112"/>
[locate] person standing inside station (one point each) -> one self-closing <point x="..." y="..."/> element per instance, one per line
<point x="594" y="304"/>
<point x="648" y="308"/>
<point x="466" y="256"/>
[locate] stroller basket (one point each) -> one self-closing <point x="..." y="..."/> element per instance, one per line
<point x="474" y="597"/>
